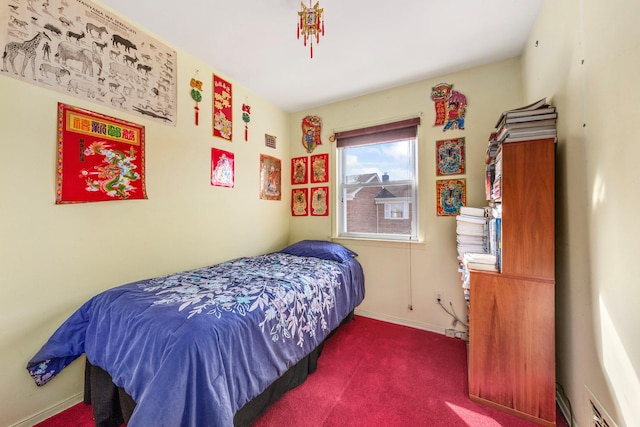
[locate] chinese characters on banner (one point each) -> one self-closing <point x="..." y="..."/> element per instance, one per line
<point x="99" y="157"/>
<point x="222" y="109"/>
<point x="450" y="105"/>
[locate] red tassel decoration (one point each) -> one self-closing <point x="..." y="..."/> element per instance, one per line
<point x="197" y="109"/>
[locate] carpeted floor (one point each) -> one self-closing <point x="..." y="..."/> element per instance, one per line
<point x="374" y="373"/>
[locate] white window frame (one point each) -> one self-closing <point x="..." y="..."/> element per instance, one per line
<point x="343" y="188"/>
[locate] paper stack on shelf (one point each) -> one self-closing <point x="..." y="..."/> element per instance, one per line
<point x="533" y="121"/>
<point x="485" y="262"/>
<point x="471" y="230"/>
<point x="472" y="238"/>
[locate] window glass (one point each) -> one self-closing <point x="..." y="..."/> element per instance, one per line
<point x="377" y="184"/>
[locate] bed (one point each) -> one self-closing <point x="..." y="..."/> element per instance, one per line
<point x="210" y="346"/>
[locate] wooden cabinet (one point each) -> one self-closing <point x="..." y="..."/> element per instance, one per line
<point x="511" y="313"/>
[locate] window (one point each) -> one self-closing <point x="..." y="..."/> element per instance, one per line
<point x="377" y="181"/>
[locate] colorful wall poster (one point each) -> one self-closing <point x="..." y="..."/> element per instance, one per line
<point x="320" y="201"/>
<point x="320" y="168"/>
<point x="299" y="202"/>
<point x="450" y="195"/>
<point x="222" y="168"/>
<point x="311" y="130"/>
<point x="270" y="178"/>
<point x="299" y="168"/>
<point x="99" y="158"/>
<point x="450" y="106"/>
<point x="222" y="108"/>
<point x="450" y="156"/>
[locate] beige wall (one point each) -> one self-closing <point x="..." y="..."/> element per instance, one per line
<point x="598" y="350"/>
<point x="53" y="258"/>
<point x="400" y="274"/>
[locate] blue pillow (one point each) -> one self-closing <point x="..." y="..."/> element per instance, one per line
<point x="320" y="249"/>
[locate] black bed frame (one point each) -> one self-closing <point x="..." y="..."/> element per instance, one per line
<point x="112" y="406"/>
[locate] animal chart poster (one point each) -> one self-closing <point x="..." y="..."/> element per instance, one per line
<point x="78" y="48"/>
<point x="222" y="108"/>
<point x="100" y="158"/>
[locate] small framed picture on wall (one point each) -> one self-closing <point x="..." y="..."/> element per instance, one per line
<point x="319" y="168"/>
<point x="300" y="202"/>
<point x="299" y="170"/>
<point x="320" y="201"/>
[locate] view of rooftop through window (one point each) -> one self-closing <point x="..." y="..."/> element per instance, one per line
<point x="392" y="158"/>
<point x="378" y="190"/>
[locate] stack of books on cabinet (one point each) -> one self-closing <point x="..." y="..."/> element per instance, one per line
<point x="531" y="122"/>
<point x="473" y="243"/>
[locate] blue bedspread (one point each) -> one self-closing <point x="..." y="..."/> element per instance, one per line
<point x="192" y="348"/>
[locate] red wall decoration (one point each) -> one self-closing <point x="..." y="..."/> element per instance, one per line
<point x="299" y="168"/>
<point x="320" y="168"/>
<point x="300" y="202"/>
<point x="320" y="201"/>
<point x="99" y="157"/>
<point x="222" y="108"/>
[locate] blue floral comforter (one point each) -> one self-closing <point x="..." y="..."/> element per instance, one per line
<point x="192" y="348"/>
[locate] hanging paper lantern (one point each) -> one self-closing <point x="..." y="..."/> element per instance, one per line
<point x="311" y="24"/>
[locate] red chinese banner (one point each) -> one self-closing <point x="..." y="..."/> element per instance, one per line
<point x="299" y="167"/>
<point x="222" y="109"/>
<point x="100" y="158"/>
<point x="320" y="201"/>
<point x="222" y="168"/>
<point x="319" y="168"/>
<point x="300" y="202"/>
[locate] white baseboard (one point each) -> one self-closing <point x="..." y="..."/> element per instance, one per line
<point x="400" y="321"/>
<point x="47" y="413"/>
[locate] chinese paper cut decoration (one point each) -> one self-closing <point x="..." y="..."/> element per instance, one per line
<point x="246" y="118"/>
<point x="450" y="105"/>
<point x="222" y="108"/>
<point x="320" y="201"/>
<point x="65" y="49"/>
<point x="269" y="141"/>
<point x="311" y="128"/>
<point x="222" y="168"/>
<point x="270" y="178"/>
<point x="99" y="158"/>
<point x="450" y="194"/>
<point x="299" y="202"/>
<point x="450" y="156"/>
<point x="196" y="94"/>
<point x="320" y="168"/>
<point x="310" y="24"/>
<point x="299" y="166"/>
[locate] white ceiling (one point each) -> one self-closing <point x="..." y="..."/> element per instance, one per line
<point x="367" y="46"/>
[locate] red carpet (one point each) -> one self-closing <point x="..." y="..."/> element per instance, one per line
<point x="373" y="373"/>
